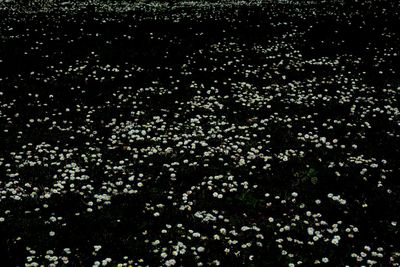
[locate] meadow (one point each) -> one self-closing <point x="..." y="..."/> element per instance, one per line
<point x="258" y="133"/>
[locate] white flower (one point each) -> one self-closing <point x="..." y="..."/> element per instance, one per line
<point x="200" y="249"/>
<point x="195" y="234"/>
<point x="170" y="262"/>
<point x="335" y="241"/>
<point x="310" y="231"/>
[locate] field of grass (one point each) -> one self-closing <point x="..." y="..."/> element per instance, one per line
<point x="200" y="134"/>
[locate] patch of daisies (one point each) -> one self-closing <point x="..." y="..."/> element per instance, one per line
<point x="239" y="150"/>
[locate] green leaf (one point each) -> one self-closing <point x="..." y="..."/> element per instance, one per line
<point x="314" y="180"/>
<point x="312" y="172"/>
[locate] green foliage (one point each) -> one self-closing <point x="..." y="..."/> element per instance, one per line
<point x="306" y="176"/>
<point x="248" y="200"/>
